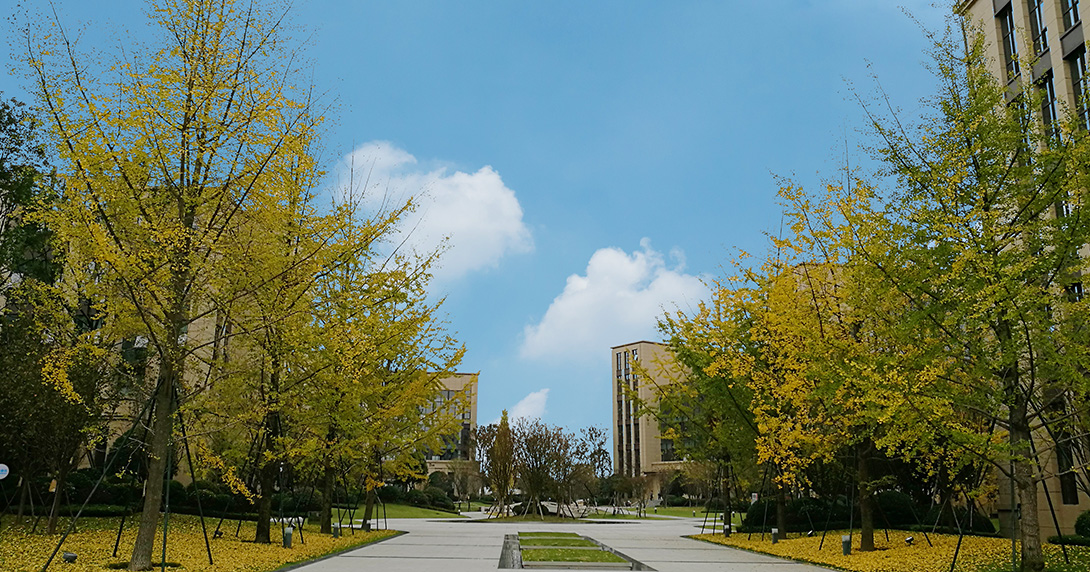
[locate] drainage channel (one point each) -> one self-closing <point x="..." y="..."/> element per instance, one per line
<point x="511" y="556"/>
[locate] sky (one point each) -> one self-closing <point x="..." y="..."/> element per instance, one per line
<point x="590" y="164"/>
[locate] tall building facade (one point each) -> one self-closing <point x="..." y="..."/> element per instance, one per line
<point x="1041" y="45"/>
<point x="1038" y="44"/>
<point x="638" y="448"/>
<point x="460" y="394"/>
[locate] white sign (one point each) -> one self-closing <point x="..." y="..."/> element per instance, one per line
<point x="3" y="471"/>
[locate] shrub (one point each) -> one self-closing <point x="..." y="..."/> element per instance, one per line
<point x="442" y="481"/>
<point x="416" y="498"/>
<point x="201" y="485"/>
<point x="80" y="483"/>
<point x="438" y="498"/>
<point x="1070" y="540"/>
<point x="674" y="500"/>
<point x="390" y="494"/>
<point x="897" y="508"/>
<point x="955" y="518"/>
<point x="95" y="510"/>
<point x="1082" y="525"/>
<point x="122" y="493"/>
<point x="204" y="498"/>
<point x="178" y="496"/>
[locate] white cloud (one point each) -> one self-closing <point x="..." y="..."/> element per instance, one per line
<point x="529" y="407"/>
<point x="478" y="215"/>
<point x="618" y="301"/>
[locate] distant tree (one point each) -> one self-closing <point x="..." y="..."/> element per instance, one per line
<point x="536" y="445"/>
<point x="501" y="459"/>
<point x="466" y="479"/>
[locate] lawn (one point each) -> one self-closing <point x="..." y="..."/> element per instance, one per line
<point x="624" y="516"/>
<point x="94" y="540"/>
<point x="687" y="511"/>
<point x="533" y="518"/>
<point x="977" y="554"/>
<point x="396" y="511"/>
<point x="569" y="555"/>
<point x="558" y="542"/>
<point x="548" y="534"/>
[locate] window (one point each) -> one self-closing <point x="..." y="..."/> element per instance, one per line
<point x="618" y="364"/>
<point x="1063" y="209"/>
<point x="635" y="355"/>
<point x="1074" y="292"/>
<point x="1071" y="13"/>
<point x="1065" y="459"/>
<point x="667" y="450"/>
<point x="1048" y="106"/>
<point x="1037" y="27"/>
<point x="1077" y="65"/>
<point x="1010" y="41"/>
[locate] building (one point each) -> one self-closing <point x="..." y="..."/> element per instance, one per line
<point x="1045" y="36"/>
<point x="1040" y="44"/>
<point x="638" y="449"/>
<point x="460" y="393"/>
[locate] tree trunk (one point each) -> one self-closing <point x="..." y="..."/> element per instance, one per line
<point x="161" y="427"/>
<point x="266" y="478"/>
<point x="54" y="511"/>
<point x="24" y="491"/>
<point x="1018" y="421"/>
<point x="368" y="507"/>
<point x="326" y="518"/>
<point x="781" y="510"/>
<point x="270" y="466"/>
<point x="729" y="513"/>
<point x="866" y="500"/>
<point x="1026" y="483"/>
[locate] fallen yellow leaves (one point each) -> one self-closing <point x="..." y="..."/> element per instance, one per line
<point x="93" y="543"/>
<point x="893" y="555"/>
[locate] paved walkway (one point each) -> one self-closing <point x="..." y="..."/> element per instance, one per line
<point x="464" y="546"/>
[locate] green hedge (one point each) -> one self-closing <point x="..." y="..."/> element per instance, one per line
<point x="1070" y="540"/>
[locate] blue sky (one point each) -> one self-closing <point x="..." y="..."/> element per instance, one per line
<point x="591" y="162"/>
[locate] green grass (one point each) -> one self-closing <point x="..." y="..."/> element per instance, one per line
<point x="648" y="516"/>
<point x="532" y="518"/>
<point x="398" y="511"/>
<point x="545" y="541"/>
<point x="688" y="512"/>
<point x="548" y="534"/>
<point x="569" y="555"/>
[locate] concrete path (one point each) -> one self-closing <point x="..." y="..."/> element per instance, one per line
<point x="464" y="546"/>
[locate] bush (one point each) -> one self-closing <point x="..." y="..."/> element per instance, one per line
<point x="389" y="494"/>
<point x="441" y="481"/>
<point x="1070" y="540"/>
<point x="122" y="493"/>
<point x="416" y="498"/>
<point x="1082" y="525"/>
<point x="178" y="496"/>
<point x="80" y="483"/>
<point x="204" y="498"/>
<point x="673" y="500"/>
<point x="438" y="498"/>
<point x="953" y="518"/>
<point x="91" y="510"/>
<point x="214" y="487"/>
<point x="897" y="508"/>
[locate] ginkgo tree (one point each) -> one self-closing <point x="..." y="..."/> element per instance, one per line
<point x="978" y="227"/>
<point x="160" y="153"/>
